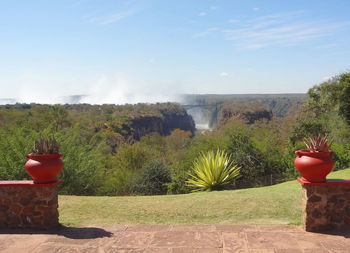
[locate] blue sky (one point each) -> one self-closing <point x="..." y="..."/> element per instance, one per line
<point x="150" y="50"/>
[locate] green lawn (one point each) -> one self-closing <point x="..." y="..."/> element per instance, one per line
<point x="278" y="204"/>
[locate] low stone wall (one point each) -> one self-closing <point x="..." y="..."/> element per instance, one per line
<point x="326" y="206"/>
<point x="24" y="204"/>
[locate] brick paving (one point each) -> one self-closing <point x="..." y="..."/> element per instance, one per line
<point x="174" y="239"/>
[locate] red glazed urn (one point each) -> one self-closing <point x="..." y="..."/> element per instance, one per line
<point x="314" y="166"/>
<point x="44" y="168"/>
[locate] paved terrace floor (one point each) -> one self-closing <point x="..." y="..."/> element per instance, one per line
<point x="174" y="239"/>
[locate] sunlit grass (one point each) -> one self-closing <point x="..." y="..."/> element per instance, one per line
<point x="277" y="204"/>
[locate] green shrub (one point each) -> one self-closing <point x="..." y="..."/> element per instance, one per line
<point x="152" y="180"/>
<point x="341" y="155"/>
<point x="132" y="157"/>
<point x="289" y="157"/>
<point x="80" y="165"/>
<point x="212" y="171"/>
<point x="305" y="128"/>
<point x="179" y="176"/>
<point x="246" y="155"/>
<point x="15" y="143"/>
<point x="119" y="182"/>
<point x="268" y="139"/>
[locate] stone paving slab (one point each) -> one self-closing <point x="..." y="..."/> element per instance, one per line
<point x="174" y="239"/>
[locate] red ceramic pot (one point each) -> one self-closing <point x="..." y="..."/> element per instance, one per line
<point x="314" y="167"/>
<point x="44" y="168"/>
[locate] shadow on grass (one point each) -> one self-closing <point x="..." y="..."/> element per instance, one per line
<point x="68" y="232"/>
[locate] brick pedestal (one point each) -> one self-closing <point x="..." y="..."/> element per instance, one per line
<point x="326" y="206"/>
<point x="24" y="204"/>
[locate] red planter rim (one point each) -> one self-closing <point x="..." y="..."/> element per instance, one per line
<point x="46" y="156"/>
<point x="312" y="154"/>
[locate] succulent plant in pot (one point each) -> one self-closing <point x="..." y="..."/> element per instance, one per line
<point x="44" y="162"/>
<point x="315" y="162"/>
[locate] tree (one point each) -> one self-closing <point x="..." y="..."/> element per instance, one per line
<point x="59" y="117"/>
<point x="344" y="99"/>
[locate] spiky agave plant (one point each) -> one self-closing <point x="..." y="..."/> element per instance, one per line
<point x="212" y="171"/>
<point x="46" y="146"/>
<point x="318" y="144"/>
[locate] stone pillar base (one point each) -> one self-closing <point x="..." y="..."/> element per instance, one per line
<point x="24" y="204"/>
<point x="326" y="206"/>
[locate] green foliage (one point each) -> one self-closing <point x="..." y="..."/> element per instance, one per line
<point x="113" y="140"/>
<point x="185" y="157"/>
<point x="97" y="142"/>
<point x="326" y="102"/>
<point x="152" y="180"/>
<point x="179" y="176"/>
<point x="326" y="111"/>
<point x="344" y="99"/>
<point x="80" y="165"/>
<point x="103" y="156"/>
<point x="243" y="151"/>
<point x="341" y="156"/>
<point x="178" y="139"/>
<point x="305" y="128"/>
<point x="212" y="171"/>
<point x="267" y="137"/>
<point x="324" y="97"/>
<point x="118" y="182"/>
<point x="15" y="143"/>
<point x="132" y="157"/>
<point x="154" y="141"/>
<point x="59" y="117"/>
<point x="176" y="145"/>
<point x="290" y="171"/>
<point x="127" y="165"/>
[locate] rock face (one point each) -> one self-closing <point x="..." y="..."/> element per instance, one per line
<point x="163" y="124"/>
<point x="326" y="206"/>
<point x="248" y="112"/>
<point x="181" y="121"/>
<point x="144" y="125"/>
<point x="26" y="205"/>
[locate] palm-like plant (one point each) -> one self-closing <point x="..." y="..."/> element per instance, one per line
<point x="212" y="171"/>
